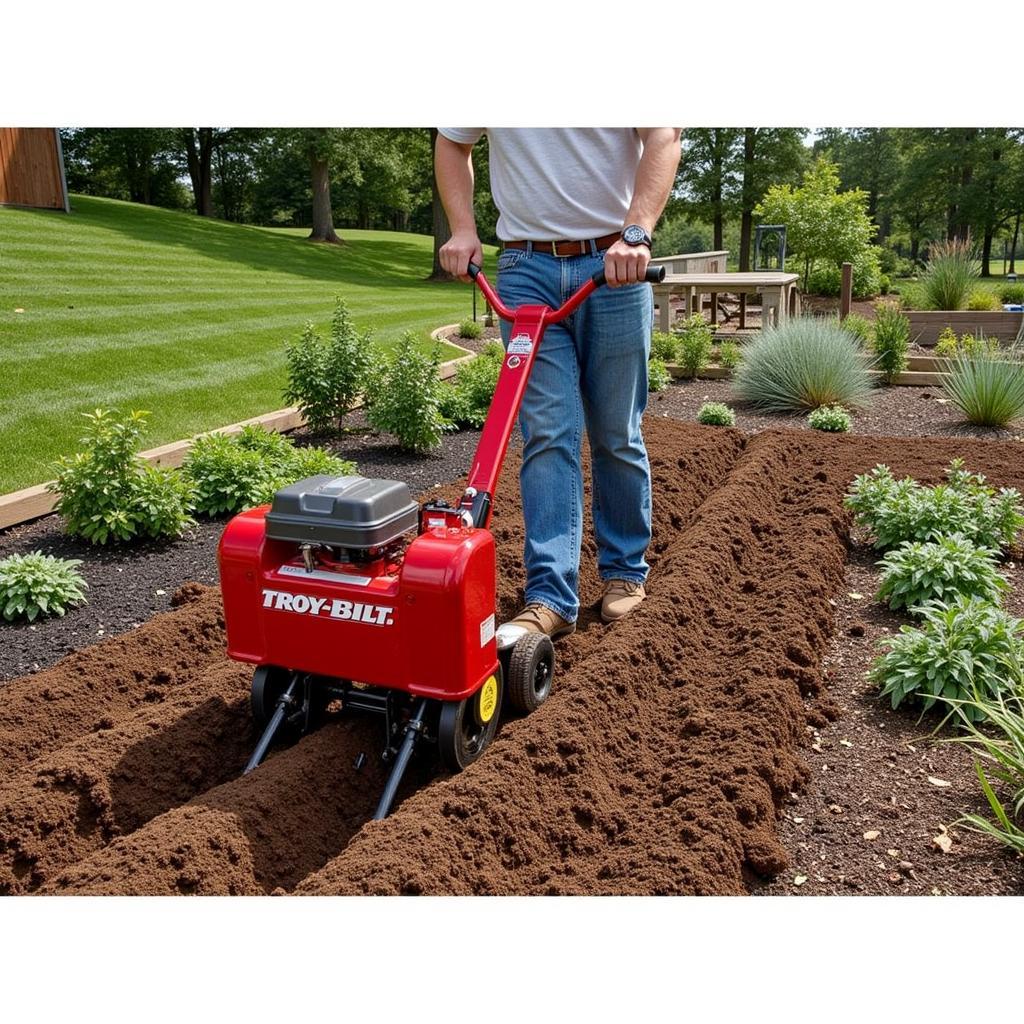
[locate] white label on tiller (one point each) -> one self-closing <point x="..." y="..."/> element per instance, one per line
<point x="487" y="630"/>
<point x="304" y="604"/>
<point x="520" y="345"/>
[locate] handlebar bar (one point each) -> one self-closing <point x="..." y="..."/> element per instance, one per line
<point x="654" y="275"/>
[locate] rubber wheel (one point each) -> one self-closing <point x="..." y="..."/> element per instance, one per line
<point x="531" y="669"/>
<point x="461" y="735"/>
<point x="268" y="683"/>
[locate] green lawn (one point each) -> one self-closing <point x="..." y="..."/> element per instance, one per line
<point x="135" y="307"/>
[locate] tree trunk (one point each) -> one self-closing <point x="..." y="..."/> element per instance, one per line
<point x="200" y="169"/>
<point x="1013" y="245"/>
<point x="747" y="215"/>
<point x="719" y="218"/>
<point x="323" y="216"/>
<point x="986" y="252"/>
<point x="442" y="230"/>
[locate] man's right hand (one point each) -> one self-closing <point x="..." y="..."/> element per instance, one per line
<point x="459" y="251"/>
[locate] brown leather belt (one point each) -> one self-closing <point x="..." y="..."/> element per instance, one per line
<point x="567" y="248"/>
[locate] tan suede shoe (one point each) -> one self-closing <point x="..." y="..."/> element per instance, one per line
<point x="620" y="598"/>
<point x="537" y="618"/>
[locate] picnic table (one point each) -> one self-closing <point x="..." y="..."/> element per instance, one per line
<point x="780" y="296"/>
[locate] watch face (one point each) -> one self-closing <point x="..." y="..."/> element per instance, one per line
<point x="634" y="234"/>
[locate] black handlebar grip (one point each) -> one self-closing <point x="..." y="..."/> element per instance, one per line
<point x="654" y="274"/>
<point x="473" y="270"/>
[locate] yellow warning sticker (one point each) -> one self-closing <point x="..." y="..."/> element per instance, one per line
<point x="488" y="699"/>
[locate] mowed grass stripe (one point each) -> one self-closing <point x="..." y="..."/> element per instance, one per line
<point x="142" y="308"/>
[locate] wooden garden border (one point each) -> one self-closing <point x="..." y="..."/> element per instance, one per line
<point x="32" y="502"/>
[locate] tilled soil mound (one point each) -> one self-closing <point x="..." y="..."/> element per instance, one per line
<point x="656" y="766"/>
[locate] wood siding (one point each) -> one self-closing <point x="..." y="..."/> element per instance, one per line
<point x="30" y="168"/>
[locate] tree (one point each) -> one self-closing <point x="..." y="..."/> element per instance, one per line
<point x="199" y="143"/>
<point x="708" y="176"/>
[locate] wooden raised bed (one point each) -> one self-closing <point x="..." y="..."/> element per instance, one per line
<point x="925" y="327"/>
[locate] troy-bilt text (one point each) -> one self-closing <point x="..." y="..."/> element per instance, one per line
<point x="304" y="604"/>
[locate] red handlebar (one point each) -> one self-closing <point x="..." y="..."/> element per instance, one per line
<point x="654" y="275"/>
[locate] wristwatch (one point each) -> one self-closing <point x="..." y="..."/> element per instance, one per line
<point x="633" y="234"/>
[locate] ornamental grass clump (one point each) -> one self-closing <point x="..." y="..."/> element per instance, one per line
<point x="896" y="511"/>
<point x="716" y="414"/>
<point x="949" y="276"/>
<point x="916" y="573"/>
<point x="960" y="650"/>
<point x="803" y="364"/>
<point x="36" y="584"/>
<point x="988" y="388"/>
<point x="833" y="419"/>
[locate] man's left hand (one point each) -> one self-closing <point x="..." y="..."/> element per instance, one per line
<point x="625" y="264"/>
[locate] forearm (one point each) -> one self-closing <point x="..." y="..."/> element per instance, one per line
<point x="453" y="166"/>
<point x="655" y="176"/>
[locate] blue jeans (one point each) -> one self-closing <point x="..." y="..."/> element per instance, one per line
<point x="591" y="370"/>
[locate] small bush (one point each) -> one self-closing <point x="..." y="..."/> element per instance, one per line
<point x="802" y="364"/>
<point x="859" y="326"/>
<point x="715" y="414"/>
<point x="895" y="511"/>
<point x="884" y="284"/>
<point x="326" y="378"/>
<point x="892" y="339"/>
<point x="912" y="296"/>
<point x="950" y="275"/>
<point x="470" y="329"/>
<point x="1011" y="293"/>
<point x="658" y="377"/>
<point x="664" y="346"/>
<point x="695" y="340"/>
<point x="978" y="345"/>
<point x="234" y="473"/>
<point x="405" y="397"/>
<point x="914" y="573"/>
<point x="464" y="403"/>
<point x="959" y="651"/>
<point x="987" y="388"/>
<point x="729" y="355"/>
<point x="34" y="583"/>
<point x="946" y="346"/>
<point x="827" y="278"/>
<point x="107" y="492"/>
<point x="831" y="418"/>
<point x="982" y="300"/>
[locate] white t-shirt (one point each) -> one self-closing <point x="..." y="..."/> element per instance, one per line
<point x="555" y="183"/>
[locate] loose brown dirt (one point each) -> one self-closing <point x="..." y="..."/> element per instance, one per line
<point x="660" y="764"/>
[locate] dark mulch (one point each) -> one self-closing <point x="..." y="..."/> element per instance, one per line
<point x="894" y="412"/>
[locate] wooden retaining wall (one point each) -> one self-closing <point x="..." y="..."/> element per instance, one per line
<point x="925" y="328"/>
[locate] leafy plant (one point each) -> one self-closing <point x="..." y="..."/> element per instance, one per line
<point x="695" y="340"/>
<point x="827" y="278"/>
<point x="405" y="397"/>
<point x="978" y="345"/>
<point x="233" y="473"/>
<point x="859" y="326"/>
<point x="946" y="345"/>
<point x="802" y="364"/>
<point x="831" y="418"/>
<point x="981" y="299"/>
<point x="728" y="355"/>
<point x="34" y="583"/>
<point x="987" y="388"/>
<point x="915" y="573"/>
<point x="716" y="414"/>
<point x="326" y="378"/>
<point x="960" y="650"/>
<point x="470" y="329"/>
<point x="107" y="492"/>
<point x="950" y="274"/>
<point x="664" y="346"/>
<point x="465" y="401"/>
<point x="1011" y="293"/>
<point x="658" y="377"/>
<point x="892" y="339"/>
<point x="895" y="511"/>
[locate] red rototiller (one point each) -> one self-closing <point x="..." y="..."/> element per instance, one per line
<point x="345" y="592"/>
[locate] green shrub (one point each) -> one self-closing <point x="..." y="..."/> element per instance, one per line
<point x="982" y="300"/>
<point x="987" y="387"/>
<point x="728" y="355"/>
<point x="978" y="345"/>
<point x="326" y="378"/>
<point x="34" y="583"/>
<point x="884" y="284"/>
<point x="959" y="650"/>
<point x="914" y="573"/>
<point x="892" y="339"/>
<point x="831" y="418"/>
<point x="664" y="346"/>
<point x="405" y="397"/>
<point x="946" y="345"/>
<point x="695" y="340"/>
<point x="827" y="279"/>
<point x="1011" y="293"/>
<point x="859" y="326"/>
<point x="912" y="296"/>
<point x="658" y="377"/>
<point x="464" y="403"/>
<point x="802" y="364"/>
<point x="715" y="414"/>
<point x="950" y="275"/>
<point x="470" y="329"/>
<point x="229" y="474"/>
<point x="107" y="492"/>
<point x="895" y="511"/>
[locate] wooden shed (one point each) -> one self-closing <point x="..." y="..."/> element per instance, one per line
<point x="32" y="169"/>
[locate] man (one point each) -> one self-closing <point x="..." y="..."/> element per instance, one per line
<point x="571" y="201"/>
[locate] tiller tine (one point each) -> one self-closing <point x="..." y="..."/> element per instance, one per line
<point x="284" y="704"/>
<point x="413" y="731"/>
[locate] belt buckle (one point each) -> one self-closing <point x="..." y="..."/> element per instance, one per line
<point x="567" y="255"/>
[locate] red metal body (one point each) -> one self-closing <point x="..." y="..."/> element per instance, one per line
<point x="422" y="622"/>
